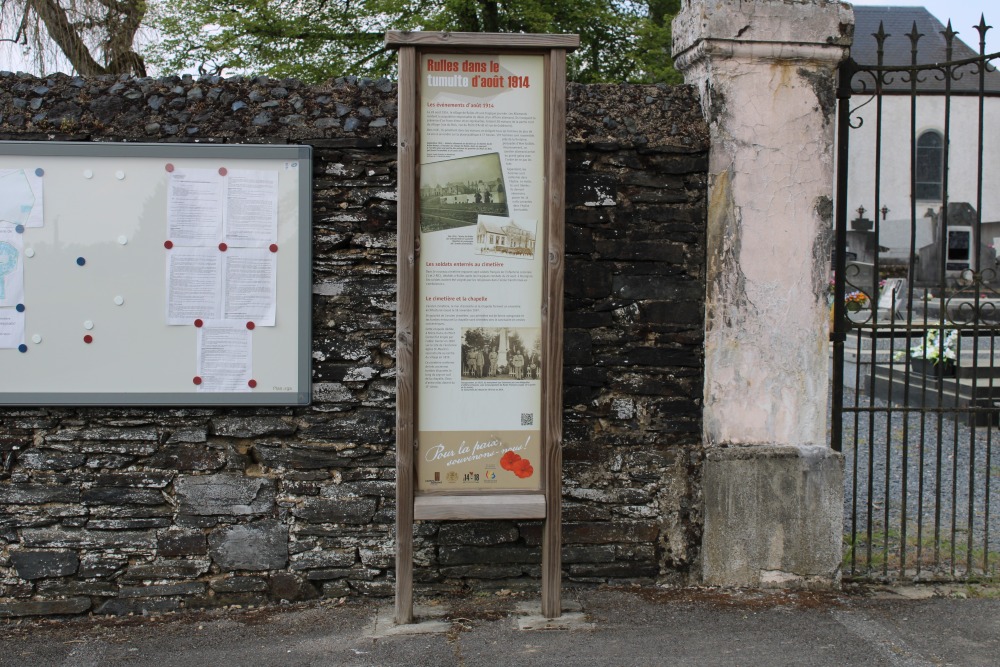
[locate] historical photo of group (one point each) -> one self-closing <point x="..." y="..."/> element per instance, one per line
<point x="501" y="353"/>
<point x="455" y="193"/>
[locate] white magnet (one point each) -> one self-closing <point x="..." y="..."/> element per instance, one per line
<point x="122" y="239"/>
<point x="29" y="252"/>
<point x="88" y="325"/>
<point x="119" y="300"/>
<point x="120" y="175"/>
<point x="88" y="173"/>
<point x="36" y="339"/>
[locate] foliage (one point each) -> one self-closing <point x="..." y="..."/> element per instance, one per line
<point x="94" y="36"/>
<point x="307" y="39"/>
<point x="317" y="39"/>
<point x="313" y="40"/>
<point x="652" y="48"/>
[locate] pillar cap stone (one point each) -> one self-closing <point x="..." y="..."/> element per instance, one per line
<point x="762" y="29"/>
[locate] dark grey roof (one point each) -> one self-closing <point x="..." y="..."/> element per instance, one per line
<point x="898" y="23"/>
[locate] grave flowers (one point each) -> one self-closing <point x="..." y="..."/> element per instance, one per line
<point x="855" y="301"/>
<point x="932" y="351"/>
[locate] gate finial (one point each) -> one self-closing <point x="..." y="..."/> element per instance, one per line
<point x="914" y="36"/>
<point x="880" y="38"/>
<point x="982" y="28"/>
<point x="949" y="40"/>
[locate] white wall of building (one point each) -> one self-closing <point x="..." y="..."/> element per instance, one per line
<point x="896" y="138"/>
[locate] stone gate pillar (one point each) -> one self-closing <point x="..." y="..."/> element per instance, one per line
<point x="773" y="488"/>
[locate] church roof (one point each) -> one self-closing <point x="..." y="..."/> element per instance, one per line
<point x="898" y="22"/>
<point x="493" y="227"/>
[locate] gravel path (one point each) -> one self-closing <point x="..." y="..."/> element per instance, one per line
<point x="961" y="475"/>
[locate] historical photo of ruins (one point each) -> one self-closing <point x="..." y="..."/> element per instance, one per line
<point x="455" y="193"/>
<point x="501" y="353"/>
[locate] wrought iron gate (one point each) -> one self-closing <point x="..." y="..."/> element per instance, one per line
<point x="915" y="306"/>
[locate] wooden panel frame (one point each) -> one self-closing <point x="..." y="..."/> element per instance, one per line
<point x="488" y="41"/>
<point x="552" y="333"/>
<point x="406" y="268"/>
<point x="494" y="506"/>
<point x="546" y="505"/>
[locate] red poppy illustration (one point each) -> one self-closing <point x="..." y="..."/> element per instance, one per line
<point x="523" y="469"/>
<point x="508" y="460"/>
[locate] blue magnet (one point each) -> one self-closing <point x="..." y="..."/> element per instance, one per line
<point x="81" y="261"/>
<point x="19" y="307"/>
<point x="19" y="229"/>
<point x="22" y="348"/>
<point x="39" y="172"/>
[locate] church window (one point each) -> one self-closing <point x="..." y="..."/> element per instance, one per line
<point x="929" y="174"/>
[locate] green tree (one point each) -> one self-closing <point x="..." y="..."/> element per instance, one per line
<point x="316" y="39"/>
<point x="653" y="39"/>
<point x="308" y="39"/>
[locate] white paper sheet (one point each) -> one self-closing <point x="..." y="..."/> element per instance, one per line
<point x="225" y="357"/>
<point x="251" y="286"/>
<point x="194" y="284"/>
<point x="11" y="328"/>
<point x="251" y="211"/>
<point x="21" y="197"/>
<point x="194" y="207"/>
<point x="11" y="266"/>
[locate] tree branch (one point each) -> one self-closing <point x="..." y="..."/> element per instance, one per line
<point x="121" y="30"/>
<point x="66" y="38"/>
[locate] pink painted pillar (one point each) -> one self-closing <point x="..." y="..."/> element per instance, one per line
<point x="773" y="489"/>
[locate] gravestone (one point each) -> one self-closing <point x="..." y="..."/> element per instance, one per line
<point x="892" y="298"/>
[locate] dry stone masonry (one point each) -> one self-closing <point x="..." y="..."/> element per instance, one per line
<point x="112" y="510"/>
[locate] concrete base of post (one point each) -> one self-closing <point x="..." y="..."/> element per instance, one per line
<point x="773" y="517"/>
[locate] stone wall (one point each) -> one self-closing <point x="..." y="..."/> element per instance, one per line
<point x="116" y="510"/>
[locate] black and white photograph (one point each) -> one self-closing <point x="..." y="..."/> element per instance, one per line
<point x="455" y="193"/>
<point x="505" y="237"/>
<point x="501" y="353"/>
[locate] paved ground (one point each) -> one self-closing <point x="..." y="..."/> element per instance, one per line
<point x="616" y="627"/>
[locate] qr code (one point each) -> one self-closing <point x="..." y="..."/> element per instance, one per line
<point x="527" y="419"/>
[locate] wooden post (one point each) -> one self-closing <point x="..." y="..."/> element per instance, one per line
<point x="405" y="342"/>
<point x="552" y="324"/>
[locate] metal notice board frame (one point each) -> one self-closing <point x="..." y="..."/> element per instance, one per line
<point x="544" y="501"/>
<point x="94" y="274"/>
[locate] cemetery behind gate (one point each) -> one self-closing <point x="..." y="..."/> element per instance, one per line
<point x="916" y="324"/>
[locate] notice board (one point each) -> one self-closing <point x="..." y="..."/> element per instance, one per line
<point x="481" y="157"/>
<point x="154" y="274"/>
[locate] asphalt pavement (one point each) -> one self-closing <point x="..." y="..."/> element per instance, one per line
<point x="605" y="626"/>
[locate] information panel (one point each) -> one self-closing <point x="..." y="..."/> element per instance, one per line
<point x="152" y="274"/>
<point x="481" y="212"/>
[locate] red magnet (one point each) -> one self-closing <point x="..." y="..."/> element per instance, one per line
<point x="250" y="326"/>
<point x="273" y="247"/>
<point x="223" y="247"/>
<point x="222" y="171"/>
<point x="197" y="380"/>
<point x="198" y="323"/>
<point x="252" y="384"/>
<point x="88" y="339"/>
<point x="169" y="167"/>
<point x="168" y="244"/>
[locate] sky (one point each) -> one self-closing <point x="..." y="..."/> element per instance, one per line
<point x="964" y="14"/>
